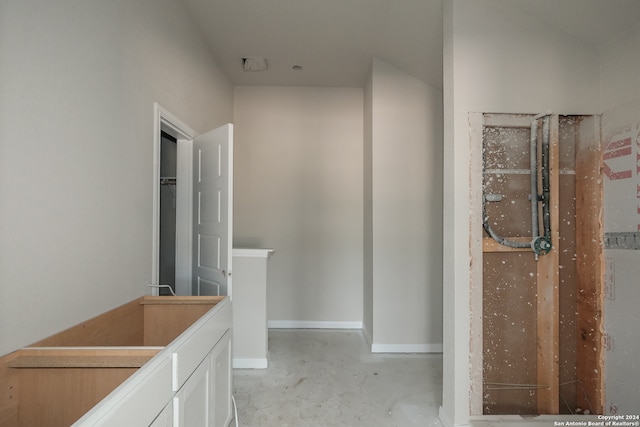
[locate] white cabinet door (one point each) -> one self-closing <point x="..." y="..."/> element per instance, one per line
<point x="221" y="386"/>
<point x="165" y="419"/>
<point x="192" y="403"/>
<point x="205" y="398"/>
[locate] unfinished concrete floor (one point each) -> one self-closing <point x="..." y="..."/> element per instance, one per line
<point x="329" y="378"/>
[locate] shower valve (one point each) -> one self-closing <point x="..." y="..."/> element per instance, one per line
<point x="541" y="245"/>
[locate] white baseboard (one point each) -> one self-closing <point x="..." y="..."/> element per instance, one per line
<point x="406" y="348"/>
<point x="375" y="347"/>
<point x="250" y="363"/>
<point x="312" y="324"/>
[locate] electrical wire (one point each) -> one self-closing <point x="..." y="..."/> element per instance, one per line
<point x="235" y="409"/>
<point x="509" y="386"/>
<point x="163" y="286"/>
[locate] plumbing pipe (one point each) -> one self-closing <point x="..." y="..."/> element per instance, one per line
<point x="533" y="168"/>
<point x="546" y="215"/>
<point x="495" y="236"/>
<point x="538" y="244"/>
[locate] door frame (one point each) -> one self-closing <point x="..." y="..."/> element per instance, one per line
<point x="165" y="121"/>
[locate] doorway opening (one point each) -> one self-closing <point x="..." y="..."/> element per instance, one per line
<point x="172" y="201"/>
<point x="197" y="251"/>
<point x="167" y="238"/>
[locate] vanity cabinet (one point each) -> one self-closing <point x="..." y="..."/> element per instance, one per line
<point x="156" y="361"/>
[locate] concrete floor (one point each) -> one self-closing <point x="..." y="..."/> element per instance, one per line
<point x="329" y="378"/>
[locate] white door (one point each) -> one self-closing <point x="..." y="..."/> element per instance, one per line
<point x="213" y="211"/>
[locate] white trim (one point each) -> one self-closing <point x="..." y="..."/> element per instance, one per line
<point x="444" y="418"/>
<point x="367" y="337"/>
<point x="184" y="217"/>
<point x="312" y="324"/>
<point x="163" y="119"/>
<point x="252" y="253"/>
<point x="406" y="348"/>
<point x="102" y="348"/>
<point x="183" y="130"/>
<point x="476" y="127"/>
<point x="250" y="363"/>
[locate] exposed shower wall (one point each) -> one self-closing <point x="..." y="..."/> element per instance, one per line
<point x="512" y="377"/>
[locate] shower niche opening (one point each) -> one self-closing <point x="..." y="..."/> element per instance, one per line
<point x="536" y="294"/>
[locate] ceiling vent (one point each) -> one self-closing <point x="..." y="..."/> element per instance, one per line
<point x="254" y="63"/>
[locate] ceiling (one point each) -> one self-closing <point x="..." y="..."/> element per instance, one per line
<point x="334" y="40"/>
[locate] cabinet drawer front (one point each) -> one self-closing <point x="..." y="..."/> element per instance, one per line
<point x="193" y="345"/>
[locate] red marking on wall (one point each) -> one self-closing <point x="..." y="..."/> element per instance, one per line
<point x="616" y="149"/>
<point x="615" y="175"/>
<point x="617" y="153"/>
<point x="618" y="144"/>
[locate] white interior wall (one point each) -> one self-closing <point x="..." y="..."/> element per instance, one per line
<point x="620" y="98"/>
<point x="299" y="190"/>
<point x="78" y="84"/>
<point x="619" y="64"/>
<point x="496" y="60"/>
<point x="406" y="191"/>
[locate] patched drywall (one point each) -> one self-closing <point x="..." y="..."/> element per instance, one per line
<point x="621" y="151"/>
<point x="620" y="98"/>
